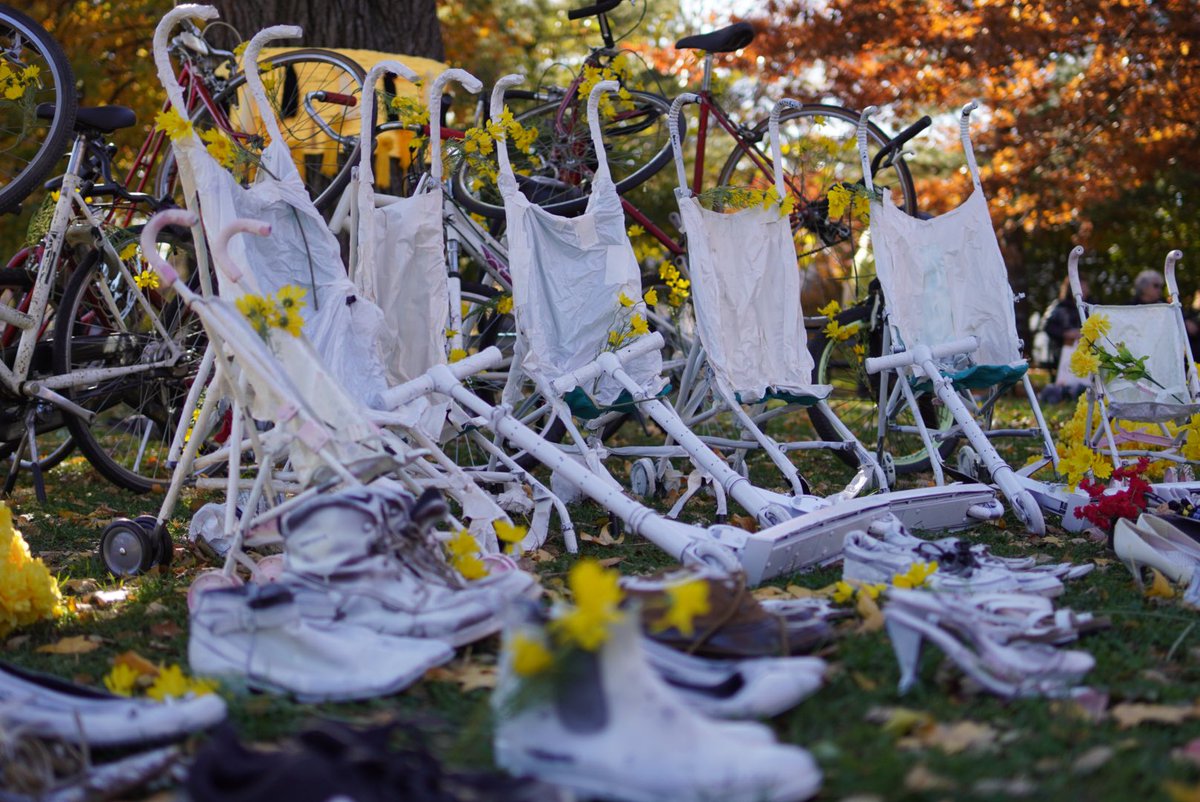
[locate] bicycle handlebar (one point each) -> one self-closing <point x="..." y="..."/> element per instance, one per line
<point x="899" y="141"/>
<point x="602" y="7"/>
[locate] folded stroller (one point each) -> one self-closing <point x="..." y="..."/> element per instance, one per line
<point x="951" y="329"/>
<point x="752" y="344"/>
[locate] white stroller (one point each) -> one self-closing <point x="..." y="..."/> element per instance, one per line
<point x="952" y="328"/>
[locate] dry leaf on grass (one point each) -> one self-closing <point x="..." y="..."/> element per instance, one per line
<point x="898" y="721"/>
<point x="166" y="629"/>
<point x="469" y="676"/>
<point x="1181" y="792"/>
<point x="1092" y="760"/>
<point x="920" y="780"/>
<point x="1134" y="714"/>
<point x="604" y="538"/>
<point x="744" y="522"/>
<point x="1160" y="588"/>
<point x="871" y="615"/>
<point x="78" y="644"/>
<point x="953" y="739"/>
<point x="136" y="662"/>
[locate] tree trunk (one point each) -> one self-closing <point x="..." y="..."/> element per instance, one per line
<point x="404" y="27"/>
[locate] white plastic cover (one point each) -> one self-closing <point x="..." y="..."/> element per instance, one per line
<point x="746" y="292"/>
<point x="944" y="278"/>
<point x="1153" y="331"/>
<point x="567" y="276"/>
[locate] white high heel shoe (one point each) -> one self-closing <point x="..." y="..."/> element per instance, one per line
<point x="1027" y="669"/>
<point x="1006" y="617"/>
<point x="1138" y="547"/>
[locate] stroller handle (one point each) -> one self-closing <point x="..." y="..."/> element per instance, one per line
<point x="427" y="382"/>
<point x="171" y="217"/>
<point x="921" y="354"/>
<point x="643" y="345"/>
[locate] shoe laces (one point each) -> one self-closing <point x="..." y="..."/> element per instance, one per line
<point x="958" y="559"/>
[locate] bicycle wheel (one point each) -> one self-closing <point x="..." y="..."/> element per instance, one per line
<point x="855" y="396"/>
<point x="322" y="134"/>
<point x="105" y="323"/>
<point x="557" y="171"/>
<point x="820" y="151"/>
<point x="33" y="70"/>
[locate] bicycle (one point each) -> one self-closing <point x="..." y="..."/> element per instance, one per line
<point x="33" y="71"/>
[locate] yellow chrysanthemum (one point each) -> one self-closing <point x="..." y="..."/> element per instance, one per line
<point x="129" y="251"/>
<point x="173" y="125"/>
<point x="842" y="592"/>
<point x="861" y="208"/>
<point x="638" y="325"/>
<point x="688" y="600"/>
<point x="615" y="338"/>
<point x="289" y="321"/>
<point x="169" y="684"/>
<point x="291" y="297"/>
<point x="219" y="146"/>
<point x="147" y="280"/>
<point x="916" y="576"/>
<point x="839" y="201"/>
<point x="505" y="305"/>
<point x="28" y="592"/>
<point x="121" y="680"/>
<point x="830" y="309"/>
<point x="510" y="534"/>
<point x="456" y="355"/>
<point x="1095" y="327"/>
<point x="529" y="656"/>
<point x="1084" y="361"/>
<point x="259" y="312"/>
<point x="625" y="300"/>
<point x="651" y="297"/>
<point x="597" y="595"/>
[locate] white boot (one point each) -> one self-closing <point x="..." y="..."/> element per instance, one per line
<point x="612" y="729"/>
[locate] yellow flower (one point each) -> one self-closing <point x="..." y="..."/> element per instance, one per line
<point x="457" y="355"/>
<point x="290" y="297"/>
<point x="830" y="309"/>
<point x="842" y="592"/>
<point x="861" y="208"/>
<point x="512" y="534"/>
<point x="121" y="680"/>
<point x="129" y="251"/>
<point x="597" y="595"/>
<point x="688" y="600"/>
<point x="174" y="126"/>
<point x="1095" y="327"/>
<point x="505" y="305"/>
<point x="915" y="576"/>
<point x="836" y="331"/>
<point x="839" y="200"/>
<point x="219" y="146"/>
<point x="635" y="231"/>
<point x="615" y="338"/>
<point x="788" y="206"/>
<point x="259" y="312"/>
<point x="169" y="684"/>
<point x="28" y="592"/>
<point x="529" y="656"/>
<point x="1084" y="361"/>
<point x="146" y="279"/>
<point x="1075" y="463"/>
<point x="651" y="297"/>
<point x="202" y="686"/>
<point x="291" y="322"/>
<point x="860" y="351"/>
<point x="639" y="325"/>
<point x="625" y="300"/>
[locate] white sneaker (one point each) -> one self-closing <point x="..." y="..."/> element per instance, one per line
<point x="259" y="635"/>
<point x="384" y="570"/>
<point x="49" y="707"/>
<point x="756" y="688"/>
<point x="867" y="559"/>
<point x="616" y="731"/>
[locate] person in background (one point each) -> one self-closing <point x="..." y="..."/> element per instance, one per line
<point x="1148" y="287"/>
<point x="1061" y="324"/>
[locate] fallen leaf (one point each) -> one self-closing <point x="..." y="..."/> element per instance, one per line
<point x="770" y="592"/>
<point x="106" y="598"/>
<point x="863" y="681"/>
<point x="604" y="538"/>
<point x="798" y="592"/>
<point x="744" y="522"/>
<point x="871" y="615"/>
<point x="469" y="676"/>
<point x="899" y="721"/>
<point x="1092" y="760"/>
<point x="79" y="644"/>
<point x="921" y="779"/>
<point x="1179" y="792"/>
<point x="78" y="587"/>
<point x="1016" y="786"/>
<point x="165" y="629"/>
<point x="961" y="736"/>
<point x="138" y="663"/>
<point x="156" y="608"/>
<point x="1051" y="540"/>
<point x="1133" y="714"/>
<point x="540" y="556"/>
<point x="1160" y="588"/>
<point x="16" y="643"/>
<point x="609" y="562"/>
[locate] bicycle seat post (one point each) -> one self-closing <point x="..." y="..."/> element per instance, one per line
<point x="706" y="83"/>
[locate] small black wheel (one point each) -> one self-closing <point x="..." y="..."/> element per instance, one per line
<point x="162" y="539"/>
<point x="126" y="549"/>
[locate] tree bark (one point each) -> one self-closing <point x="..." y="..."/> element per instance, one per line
<point x="404" y="27"/>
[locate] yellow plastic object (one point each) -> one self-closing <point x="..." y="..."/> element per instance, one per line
<point x="309" y="144"/>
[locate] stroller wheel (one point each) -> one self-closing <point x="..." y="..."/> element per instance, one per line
<point x="210" y="580"/>
<point x="165" y="548"/>
<point x="641" y="478"/>
<point x="269" y="569"/>
<point x="126" y="549"/>
<point x="970" y="464"/>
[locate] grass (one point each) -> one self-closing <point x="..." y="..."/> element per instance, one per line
<point x="1032" y="747"/>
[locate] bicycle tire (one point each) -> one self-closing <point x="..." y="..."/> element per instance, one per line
<point x="137" y="414"/>
<point x="291" y="72"/>
<point x="560" y="183"/>
<point x="820" y="150"/>
<point x="33" y="155"/>
<point x="855" y="396"/>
